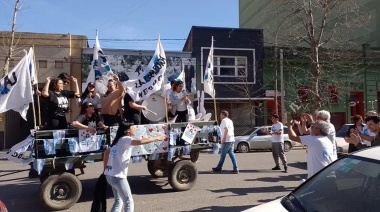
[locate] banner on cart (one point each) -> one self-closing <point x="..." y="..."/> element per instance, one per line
<point x="17" y="152"/>
<point x="147" y="131"/>
<point x="190" y="132"/>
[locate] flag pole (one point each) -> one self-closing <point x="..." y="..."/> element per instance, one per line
<point x="38" y="96"/>
<point x="166" y="102"/>
<point x="216" y="115"/>
<point x="33" y="106"/>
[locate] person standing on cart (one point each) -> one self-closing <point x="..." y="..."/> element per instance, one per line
<point x="132" y="110"/>
<point x="117" y="162"/>
<point x="111" y="103"/>
<point x="179" y="100"/>
<point x="58" y="102"/>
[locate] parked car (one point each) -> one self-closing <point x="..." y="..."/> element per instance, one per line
<point x="351" y="183"/>
<point x="341" y="144"/>
<point x="259" y="140"/>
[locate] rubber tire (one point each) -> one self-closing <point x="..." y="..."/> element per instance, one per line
<point x="155" y="171"/>
<point x="194" y="156"/>
<point x="178" y="169"/>
<point x="287" y="146"/>
<point x="74" y="191"/>
<point x="243" y="147"/>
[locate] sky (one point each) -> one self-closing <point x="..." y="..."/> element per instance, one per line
<point x="121" y="24"/>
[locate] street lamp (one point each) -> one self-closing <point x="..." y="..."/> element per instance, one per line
<point x="275" y="67"/>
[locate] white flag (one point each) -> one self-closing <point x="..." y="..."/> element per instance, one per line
<point x="16" y="89"/>
<point x="208" y="80"/>
<point x="99" y="66"/>
<point x="32" y="67"/>
<point x="151" y="79"/>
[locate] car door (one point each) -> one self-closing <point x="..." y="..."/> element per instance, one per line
<point x="260" y="141"/>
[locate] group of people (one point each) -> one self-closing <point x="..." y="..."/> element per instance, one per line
<point x="107" y="110"/>
<point x="315" y="131"/>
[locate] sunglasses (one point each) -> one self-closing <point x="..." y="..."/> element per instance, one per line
<point x="90" y="106"/>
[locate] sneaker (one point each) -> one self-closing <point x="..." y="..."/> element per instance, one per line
<point x="276" y="168"/>
<point x="216" y="169"/>
<point x="235" y="172"/>
<point x="286" y="169"/>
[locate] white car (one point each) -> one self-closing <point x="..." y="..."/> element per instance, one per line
<point x="352" y="183"/>
<point x="259" y="140"/>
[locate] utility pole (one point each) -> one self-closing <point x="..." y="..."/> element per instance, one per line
<point x="8" y="58"/>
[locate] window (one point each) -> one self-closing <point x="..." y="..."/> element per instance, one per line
<point x="42" y="64"/>
<point x="58" y="64"/>
<point x="227" y="66"/>
<point x="334" y="95"/>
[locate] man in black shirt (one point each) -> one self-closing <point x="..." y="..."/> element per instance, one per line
<point x="132" y="110"/>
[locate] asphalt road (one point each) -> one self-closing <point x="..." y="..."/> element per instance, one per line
<point x="256" y="184"/>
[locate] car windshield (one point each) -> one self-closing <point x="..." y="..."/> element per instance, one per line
<point x="350" y="184"/>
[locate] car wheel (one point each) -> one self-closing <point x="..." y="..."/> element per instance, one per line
<point x="243" y="147"/>
<point x="287" y="146"/>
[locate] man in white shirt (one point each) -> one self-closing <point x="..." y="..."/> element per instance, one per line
<point x="323" y="115"/>
<point x="227" y="140"/>
<point x="278" y="143"/>
<point x="320" y="150"/>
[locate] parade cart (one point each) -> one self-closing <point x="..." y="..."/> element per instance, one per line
<point x="60" y="187"/>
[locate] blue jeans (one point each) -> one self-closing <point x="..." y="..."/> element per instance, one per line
<point x="227" y="147"/>
<point x="122" y="194"/>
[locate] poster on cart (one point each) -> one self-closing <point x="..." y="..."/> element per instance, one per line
<point x="88" y="141"/>
<point x="146" y="131"/>
<point x="150" y="130"/>
<point x="190" y="132"/>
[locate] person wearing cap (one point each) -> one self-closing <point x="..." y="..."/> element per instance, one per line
<point x="179" y="100"/>
<point x="88" y="119"/>
<point x="90" y="95"/>
<point x="111" y="103"/>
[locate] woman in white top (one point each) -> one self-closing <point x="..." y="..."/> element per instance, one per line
<point x="179" y="100"/>
<point x="116" y="160"/>
<point x="90" y="95"/>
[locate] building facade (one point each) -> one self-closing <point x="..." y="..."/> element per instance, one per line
<point x="54" y="54"/>
<point x="351" y="83"/>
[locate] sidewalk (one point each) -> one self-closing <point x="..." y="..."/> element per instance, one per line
<point x="3" y="152"/>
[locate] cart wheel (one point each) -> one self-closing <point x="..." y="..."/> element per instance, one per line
<point x="59" y="192"/>
<point x="158" y="168"/>
<point x="194" y="155"/>
<point x="183" y="175"/>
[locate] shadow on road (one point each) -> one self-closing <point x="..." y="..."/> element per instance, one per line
<point x="246" y="191"/>
<point x="293" y="177"/>
<point x="298" y="165"/>
<point x="140" y="185"/>
<point x="221" y="208"/>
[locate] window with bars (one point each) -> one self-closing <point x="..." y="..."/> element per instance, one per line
<point x="230" y="66"/>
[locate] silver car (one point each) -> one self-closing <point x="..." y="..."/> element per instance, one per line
<point x="259" y="140"/>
